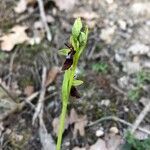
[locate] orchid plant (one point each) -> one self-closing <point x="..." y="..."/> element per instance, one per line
<point x="78" y="41"/>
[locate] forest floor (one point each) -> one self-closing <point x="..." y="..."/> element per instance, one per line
<point x="115" y="68"/>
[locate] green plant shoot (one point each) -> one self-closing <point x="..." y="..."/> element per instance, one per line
<point x="78" y="41"/>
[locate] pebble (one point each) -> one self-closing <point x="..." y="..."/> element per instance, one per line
<point x="105" y="102"/>
<point x="131" y="67"/>
<point x="118" y="57"/>
<point x="99" y="133"/>
<point x="138" y="49"/>
<point x="123" y="81"/>
<point x="114" y="130"/>
<point x="136" y="59"/>
<point x="122" y="24"/>
<point x="67" y="143"/>
<point x="141" y="8"/>
<point x="109" y="1"/>
<point x="146" y="64"/>
<point x="126" y="109"/>
<point x="107" y="34"/>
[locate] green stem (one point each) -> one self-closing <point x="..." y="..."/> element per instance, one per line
<point x="62" y="124"/>
<point x="65" y="97"/>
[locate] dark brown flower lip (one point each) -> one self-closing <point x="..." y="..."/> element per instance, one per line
<point x="74" y="92"/>
<point x="67" y="64"/>
<point x="69" y="58"/>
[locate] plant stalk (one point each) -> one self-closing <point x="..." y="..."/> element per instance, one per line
<point x="61" y="128"/>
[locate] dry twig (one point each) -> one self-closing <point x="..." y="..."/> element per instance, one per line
<point x="119" y="120"/>
<point x="44" y="20"/>
<point x="18" y="106"/>
<point x="118" y="89"/>
<point x="11" y="67"/>
<point x="40" y="104"/>
<point x="45" y="137"/>
<point x="140" y="118"/>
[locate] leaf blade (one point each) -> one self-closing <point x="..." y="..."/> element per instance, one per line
<point x="77" y="82"/>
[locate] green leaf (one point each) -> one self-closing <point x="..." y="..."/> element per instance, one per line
<point x="77" y="82"/>
<point x="76" y="28"/>
<point x="74" y="43"/>
<point x="86" y="31"/>
<point x="83" y="44"/>
<point x="64" y="51"/>
<point x="82" y="38"/>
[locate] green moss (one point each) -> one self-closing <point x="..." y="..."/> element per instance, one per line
<point x="134" y="144"/>
<point x="134" y="94"/>
<point x="100" y="67"/>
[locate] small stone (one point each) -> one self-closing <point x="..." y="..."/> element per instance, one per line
<point x="118" y="57"/>
<point x="132" y="67"/>
<point x="136" y="59"/>
<point x="99" y="133"/>
<point x="139" y="49"/>
<point x="38" y="25"/>
<point x="148" y="22"/>
<point x="109" y="1"/>
<point x="114" y="130"/>
<point x="126" y="109"/>
<point x="107" y="34"/>
<point x="67" y="143"/>
<point x="105" y="102"/>
<point x="123" y="81"/>
<point x="122" y="24"/>
<point x="141" y="8"/>
<point x="146" y="64"/>
<point x="8" y="131"/>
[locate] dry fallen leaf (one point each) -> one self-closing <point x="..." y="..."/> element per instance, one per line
<point x="79" y="126"/>
<point x="56" y="123"/>
<point x="16" y="36"/>
<point x="65" y="4"/>
<point x="73" y="116"/>
<point x="52" y="74"/>
<point x="79" y="121"/>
